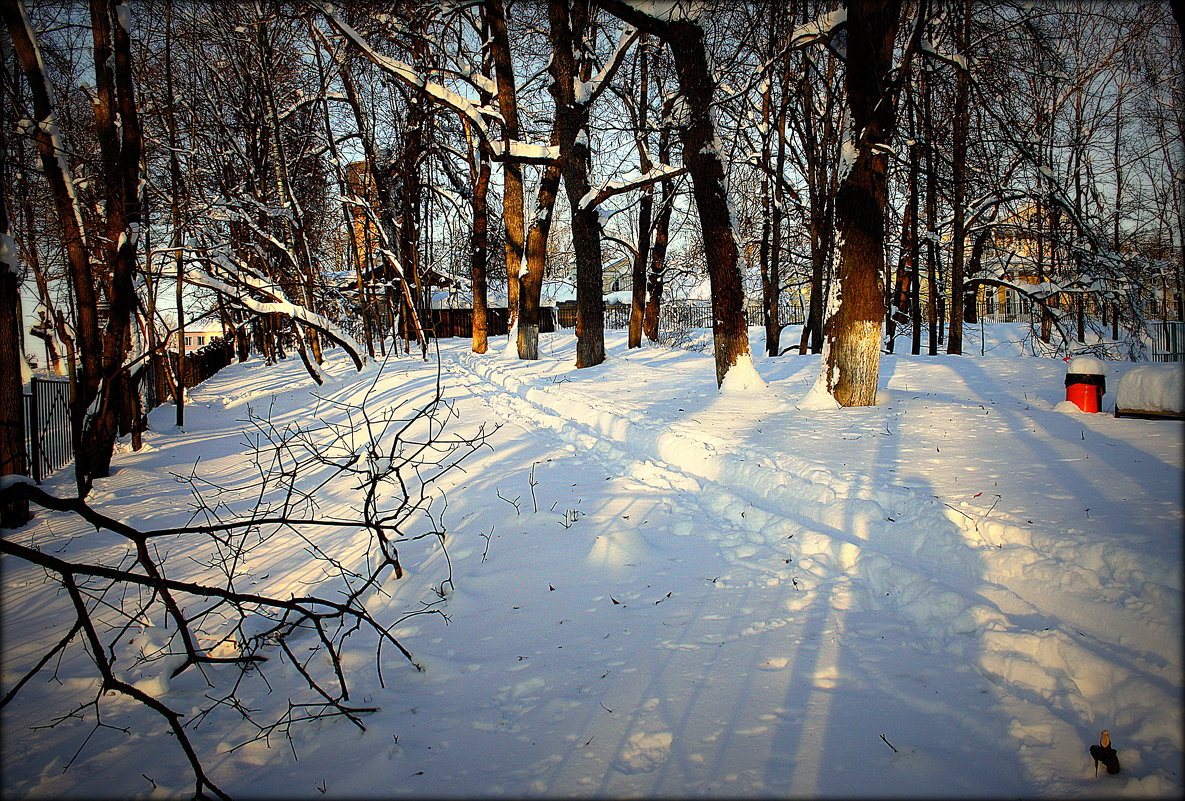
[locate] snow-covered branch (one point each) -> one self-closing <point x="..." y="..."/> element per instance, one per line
<point x="588" y="91"/>
<point x="660" y="172"/>
<point x="278" y="303"/>
<point x="820" y="29"/>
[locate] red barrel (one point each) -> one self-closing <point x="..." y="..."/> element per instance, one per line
<point x="1085" y="390"/>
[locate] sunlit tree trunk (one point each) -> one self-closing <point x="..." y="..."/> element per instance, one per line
<point x="853" y="328"/>
<point x="536" y="261"/>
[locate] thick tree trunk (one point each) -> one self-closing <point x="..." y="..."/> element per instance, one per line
<point x="730" y="332"/>
<point x="12" y="405"/>
<point x="569" y="19"/>
<point x="853" y="329"/>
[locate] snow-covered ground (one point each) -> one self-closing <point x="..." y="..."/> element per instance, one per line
<point x="659" y="589"/>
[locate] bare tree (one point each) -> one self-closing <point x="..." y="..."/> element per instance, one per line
<point x="685" y="38"/>
<point x="853" y="327"/>
<point x="213" y="625"/>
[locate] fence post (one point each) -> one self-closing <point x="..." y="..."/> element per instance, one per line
<point x="35" y="426"/>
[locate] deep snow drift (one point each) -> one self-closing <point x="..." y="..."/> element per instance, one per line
<point x="659" y="589"/>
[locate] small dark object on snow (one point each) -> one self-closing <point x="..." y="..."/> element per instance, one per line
<point x="1103" y="752"/>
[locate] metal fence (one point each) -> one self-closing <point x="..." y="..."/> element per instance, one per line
<point x="1166" y="340"/>
<point x="49" y="441"/>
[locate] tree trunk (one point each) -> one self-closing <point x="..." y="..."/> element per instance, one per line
<point x="645" y="209"/>
<point x="12" y="405"/>
<point x="730" y="332"/>
<point x="569" y="18"/>
<point x="658" y="248"/>
<point x="531" y="287"/>
<point x="87" y="341"/>
<point x="512" y="176"/>
<point x="853" y="329"/>
<point x="697" y="85"/>
<point x="658" y="256"/>
<point x="933" y="316"/>
<point x="479" y="254"/>
<point x="954" y="340"/>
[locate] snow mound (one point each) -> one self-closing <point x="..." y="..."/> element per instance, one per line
<point x="1153" y="388"/>
<point x="817" y="399"/>
<point x="742" y="377"/>
<point x="1087" y="365"/>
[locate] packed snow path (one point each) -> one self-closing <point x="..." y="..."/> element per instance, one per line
<point x="664" y="590"/>
<point x="1075" y="625"/>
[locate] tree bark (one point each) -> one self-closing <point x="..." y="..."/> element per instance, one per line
<point x="954" y="339"/>
<point x="730" y="333"/>
<point x="645" y="209"/>
<point x="531" y="282"/>
<point x="569" y="19"/>
<point x="101" y="376"/>
<point x="479" y="254"/>
<point x="512" y="176"/>
<point x="13" y="513"/>
<point x="853" y="329"/>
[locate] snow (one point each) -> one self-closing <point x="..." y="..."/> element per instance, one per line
<point x="818" y="28"/>
<point x="1153" y="388"/>
<point x="742" y="377"/>
<point x="1087" y="365"/>
<point x="12" y="480"/>
<point x="663" y="589"/>
<point x="525" y="150"/>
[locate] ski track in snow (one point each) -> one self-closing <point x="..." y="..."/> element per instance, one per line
<point x="847" y="599"/>
<point x="901" y="551"/>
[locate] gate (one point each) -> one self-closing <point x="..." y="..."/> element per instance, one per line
<point x="48" y="442"/>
